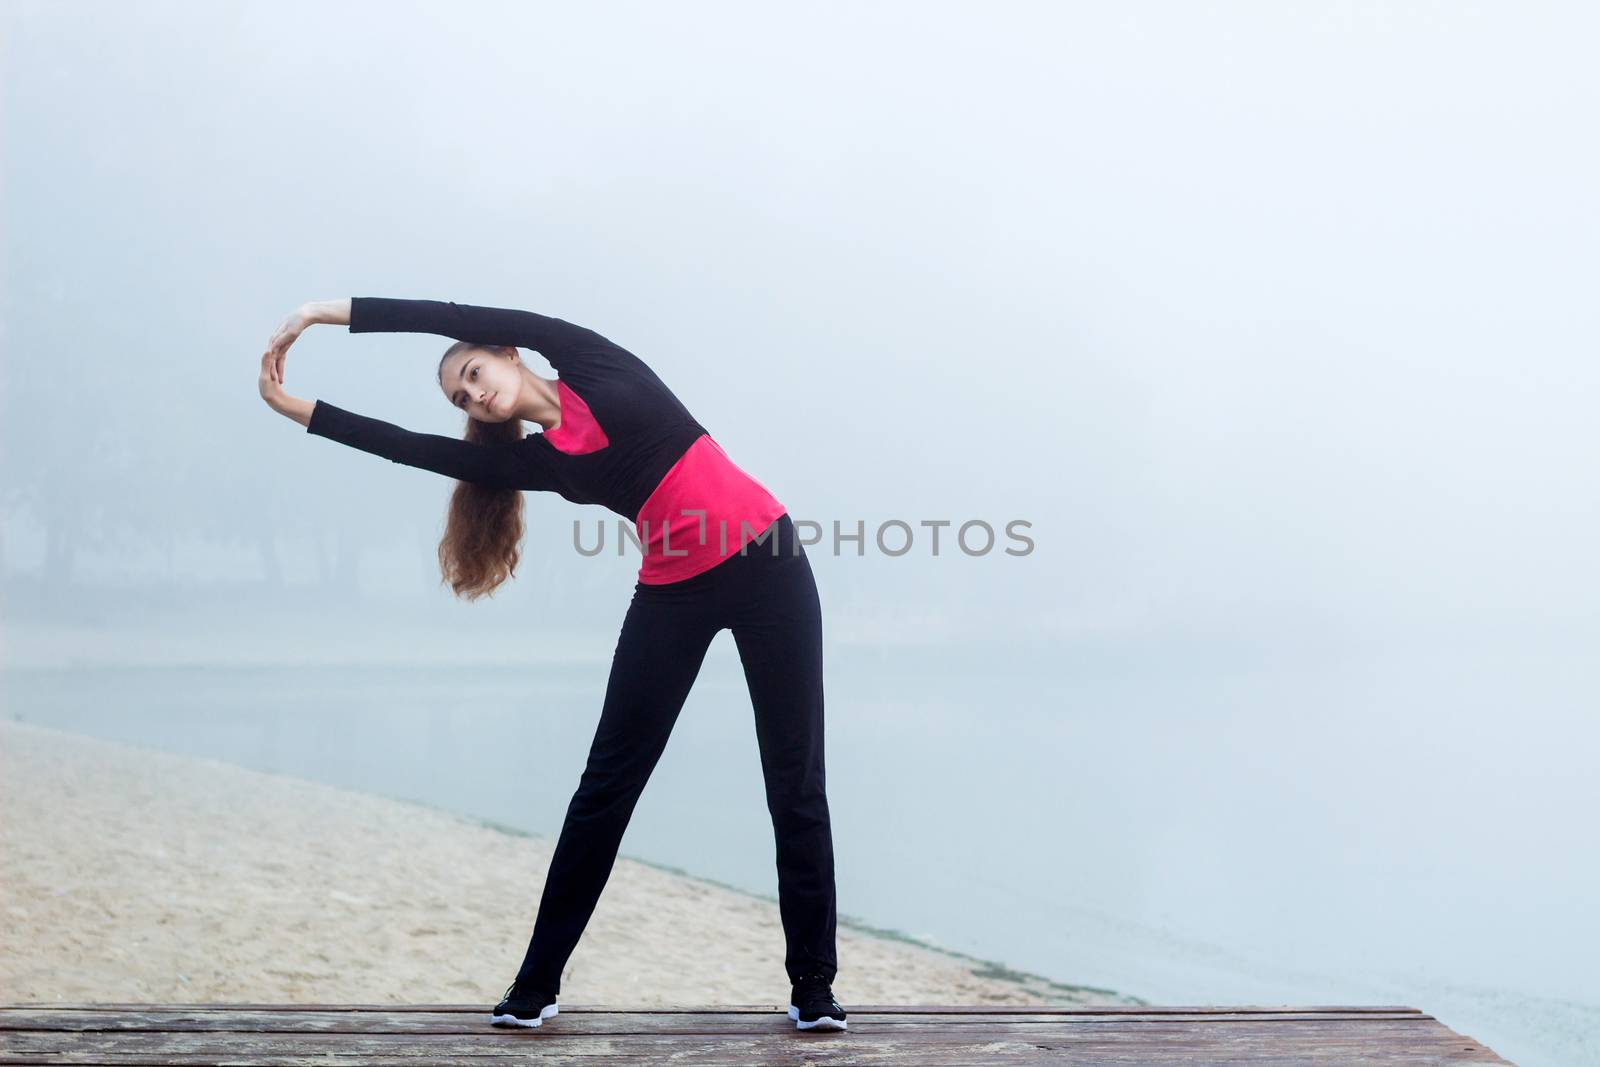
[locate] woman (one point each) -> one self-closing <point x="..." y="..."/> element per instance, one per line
<point x="719" y="552"/>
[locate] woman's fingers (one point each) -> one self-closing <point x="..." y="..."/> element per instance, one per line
<point x="280" y="342"/>
<point x="265" y="382"/>
<point x="282" y="337"/>
<point x="278" y="345"/>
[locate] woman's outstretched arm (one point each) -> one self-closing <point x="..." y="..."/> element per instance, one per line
<point x="508" y="465"/>
<point x="553" y="338"/>
<point x="567" y="347"/>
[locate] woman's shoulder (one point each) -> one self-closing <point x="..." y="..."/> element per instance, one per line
<point x="608" y="376"/>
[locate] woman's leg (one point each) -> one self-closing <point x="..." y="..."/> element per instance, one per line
<point x="663" y="642"/>
<point x="778" y="628"/>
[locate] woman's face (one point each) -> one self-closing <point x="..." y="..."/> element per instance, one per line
<point x="483" y="382"/>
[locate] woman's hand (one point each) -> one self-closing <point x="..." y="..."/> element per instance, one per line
<point x="332" y="312"/>
<point x="272" y="392"/>
<point x="278" y="344"/>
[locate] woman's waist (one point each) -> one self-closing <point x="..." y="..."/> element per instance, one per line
<point x="777" y="545"/>
<point x="702" y="495"/>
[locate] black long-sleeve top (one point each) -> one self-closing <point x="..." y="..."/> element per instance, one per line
<point x="624" y="440"/>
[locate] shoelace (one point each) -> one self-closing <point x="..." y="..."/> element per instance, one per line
<point x="814" y="985"/>
<point x="512" y="988"/>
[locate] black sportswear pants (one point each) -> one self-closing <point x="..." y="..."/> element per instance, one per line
<point x="768" y="597"/>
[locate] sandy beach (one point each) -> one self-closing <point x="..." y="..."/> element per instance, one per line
<point x="131" y="874"/>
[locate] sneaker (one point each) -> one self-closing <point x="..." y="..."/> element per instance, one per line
<point x="524" y="1007"/>
<point x="812" y="1007"/>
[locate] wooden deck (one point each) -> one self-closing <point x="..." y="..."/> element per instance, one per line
<point x="428" y="1035"/>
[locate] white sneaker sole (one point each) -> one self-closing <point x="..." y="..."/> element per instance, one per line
<point x="549" y="1012"/>
<point x="826" y="1022"/>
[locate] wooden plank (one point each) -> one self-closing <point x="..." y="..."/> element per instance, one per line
<point x="578" y="1021"/>
<point x="1234" y="1045"/>
<point x="925" y="1010"/>
<point x="730" y="1036"/>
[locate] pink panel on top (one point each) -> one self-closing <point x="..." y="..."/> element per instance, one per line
<point x="737" y="508"/>
<point x="578" y="432"/>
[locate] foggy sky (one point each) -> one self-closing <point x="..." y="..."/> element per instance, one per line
<point x="1275" y="321"/>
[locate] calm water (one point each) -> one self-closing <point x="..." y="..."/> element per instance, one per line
<point x="1390" y="833"/>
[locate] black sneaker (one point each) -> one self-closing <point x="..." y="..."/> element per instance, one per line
<point x="812" y="1007"/>
<point x="524" y="1007"/>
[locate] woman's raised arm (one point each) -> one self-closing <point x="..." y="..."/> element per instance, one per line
<point x="555" y="339"/>
<point x="552" y="338"/>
